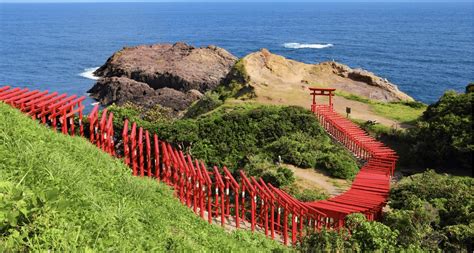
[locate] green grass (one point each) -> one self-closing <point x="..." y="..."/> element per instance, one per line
<point x="403" y="112"/>
<point x="61" y="193"/>
<point x="398" y="111"/>
<point x="375" y="129"/>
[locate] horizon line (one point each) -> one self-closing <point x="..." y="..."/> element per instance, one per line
<point x="236" y="1"/>
<point x="231" y="1"/>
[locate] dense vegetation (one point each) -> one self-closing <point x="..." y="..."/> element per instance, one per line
<point x="433" y="211"/>
<point x="359" y="235"/>
<point x="61" y="193"/>
<point x="443" y="136"/>
<point x="429" y="212"/>
<point x="253" y="137"/>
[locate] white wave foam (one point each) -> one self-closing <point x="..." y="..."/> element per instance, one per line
<point x="294" y="45"/>
<point x="89" y="73"/>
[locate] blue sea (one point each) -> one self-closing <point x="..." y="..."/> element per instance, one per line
<point x="424" y="48"/>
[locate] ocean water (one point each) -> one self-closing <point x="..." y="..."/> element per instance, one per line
<point x="424" y="48"/>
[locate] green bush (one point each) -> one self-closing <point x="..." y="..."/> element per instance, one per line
<point x="302" y="150"/>
<point x="209" y="102"/>
<point x="443" y="136"/>
<point x="415" y="227"/>
<point x="359" y="236"/>
<point x="261" y="167"/>
<point x="298" y="149"/>
<point x="230" y="135"/>
<point x="327" y="240"/>
<point x="338" y="164"/>
<point x="371" y="235"/>
<point x="434" y="209"/>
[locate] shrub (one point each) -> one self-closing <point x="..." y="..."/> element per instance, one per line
<point x="230" y="134"/>
<point x="327" y="240"/>
<point x="302" y="150"/>
<point x="436" y="206"/>
<point x="260" y="167"/>
<point x="370" y="235"/>
<point x="415" y="226"/>
<point x="338" y="164"/>
<point x="359" y="236"/>
<point x="298" y="149"/>
<point x="209" y="102"/>
<point x="443" y="136"/>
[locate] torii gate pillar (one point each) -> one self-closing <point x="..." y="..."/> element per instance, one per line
<point x="329" y="92"/>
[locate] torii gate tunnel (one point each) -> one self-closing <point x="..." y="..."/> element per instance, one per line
<point x="217" y="194"/>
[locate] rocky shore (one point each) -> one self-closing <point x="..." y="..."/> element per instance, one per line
<point x="176" y="75"/>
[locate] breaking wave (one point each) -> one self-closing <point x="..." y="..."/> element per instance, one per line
<point x="89" y="73"/>
<point x="300" y="45"/>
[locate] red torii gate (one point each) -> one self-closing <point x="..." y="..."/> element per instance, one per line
<point x="322" y="92"/>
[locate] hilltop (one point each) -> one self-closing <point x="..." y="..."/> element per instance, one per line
<point x="273" y="79"/>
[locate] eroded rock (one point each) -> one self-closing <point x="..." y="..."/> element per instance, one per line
<point x="172" y="75"/>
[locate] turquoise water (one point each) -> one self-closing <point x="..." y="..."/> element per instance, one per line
<point x="423" y="48"/>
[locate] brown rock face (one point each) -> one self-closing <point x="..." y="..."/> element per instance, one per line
<point x="390" y="91"/>
<point x="120" y="90"/>
<point x="171" y="75"/>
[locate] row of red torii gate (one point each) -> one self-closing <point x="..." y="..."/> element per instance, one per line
<point x="216" y="194"/>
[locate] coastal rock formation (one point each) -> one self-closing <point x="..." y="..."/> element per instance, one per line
<point x="276" y="78"/>
<point x="390" y="91"/>
<point x="120" y="90"/>
<point x="172" y="75"/>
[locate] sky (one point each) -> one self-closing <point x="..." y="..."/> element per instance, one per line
<point x="105" y="1"/>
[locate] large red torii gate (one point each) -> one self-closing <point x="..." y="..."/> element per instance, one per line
<point x="329" y="92"/>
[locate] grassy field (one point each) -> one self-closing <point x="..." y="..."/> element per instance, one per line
<point x="61" y="193"/>
<point x="403" y="112"/>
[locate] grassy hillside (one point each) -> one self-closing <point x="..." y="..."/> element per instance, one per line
<point x="62" y="193"/>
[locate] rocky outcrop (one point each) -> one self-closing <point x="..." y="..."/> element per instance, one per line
<point x="360" y="75"/>
<point x="120" y="90"/>
<point x="172" y="75"/>
<point x="277" y="79"/>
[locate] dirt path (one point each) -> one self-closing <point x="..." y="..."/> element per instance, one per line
<point x="301" y="97"/>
